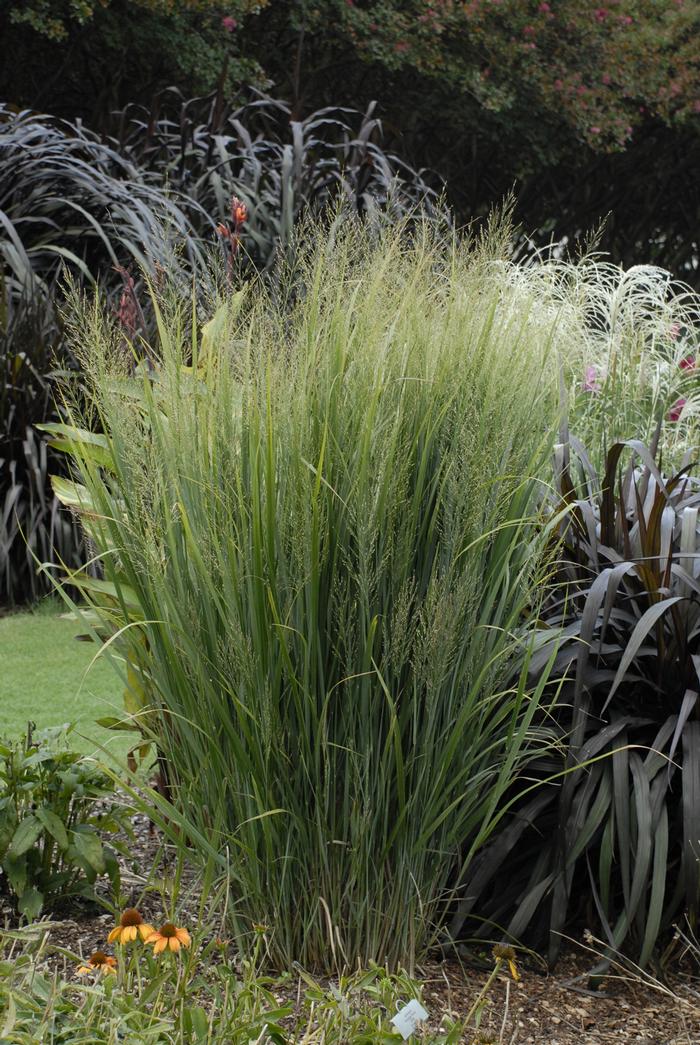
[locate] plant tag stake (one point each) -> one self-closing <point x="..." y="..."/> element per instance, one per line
<point x="407" y="1019"/>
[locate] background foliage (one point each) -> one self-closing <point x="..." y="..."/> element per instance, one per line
<point x="588" y="110"/>
<point x="145" y="201"/>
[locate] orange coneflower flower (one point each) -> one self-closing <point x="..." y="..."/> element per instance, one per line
<point x="169" y="937"/>
<point x="131" y="925"/>
<point x="98" y="962"/>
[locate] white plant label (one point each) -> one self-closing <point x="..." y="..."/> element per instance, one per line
<point x="407" y="1019"/>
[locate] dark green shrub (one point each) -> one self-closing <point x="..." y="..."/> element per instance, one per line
<point x="50" y="844"/>
<point x="617" y="837"/>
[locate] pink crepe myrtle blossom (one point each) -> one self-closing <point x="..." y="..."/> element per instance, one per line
<point x="676" y="410"/>
<point x="590" y="381"/>
<point x="688" y="363"/>
<point x="229" y="23"/>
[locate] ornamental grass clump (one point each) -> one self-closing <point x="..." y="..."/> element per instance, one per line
<point x="316" y="517"/>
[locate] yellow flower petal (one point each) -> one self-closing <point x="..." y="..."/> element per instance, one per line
<point x="160" y="944"/>
<point x="129" y="933"/>
<point x="174" y="944"/>
<point x="115" y="934"/>
<point x="184" y="937"/>
<point x="146" y="931"/>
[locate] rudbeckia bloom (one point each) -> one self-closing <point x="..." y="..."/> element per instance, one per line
<point x="98" y="962"/>
<point x="169" y="938"/>
<point x="131" y="925"/>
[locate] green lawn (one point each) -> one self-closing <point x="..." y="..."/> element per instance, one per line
<point x="47" y="678"/>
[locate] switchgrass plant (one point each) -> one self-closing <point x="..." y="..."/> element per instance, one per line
<point x="319" y="533"/>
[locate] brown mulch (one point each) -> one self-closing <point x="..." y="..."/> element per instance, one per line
<point x="550" y="1009"/>
<point x="544" y="1008"/>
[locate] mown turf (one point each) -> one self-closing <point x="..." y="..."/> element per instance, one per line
<point x="46" y="677"/>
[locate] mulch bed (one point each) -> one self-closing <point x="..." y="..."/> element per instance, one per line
<point x="543" y="1008"/>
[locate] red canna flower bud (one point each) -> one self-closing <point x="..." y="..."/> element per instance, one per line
<point x="239" y="212"/>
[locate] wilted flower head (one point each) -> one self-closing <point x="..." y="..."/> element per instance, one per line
<point x="503" y="952"/>
<point x="128" y="311"/>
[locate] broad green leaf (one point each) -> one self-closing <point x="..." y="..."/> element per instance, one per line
<point x="54" y="825"/>
<point x="10" y="1016"/>
<point x="26" y="835"/>
<point x="79" y="443"/>
<point x="110" y="722"/>
<point x="73" y="495"/>
<point x="16" y="871"/>
<point x="30" y="903"/>
<point x="120" y="592"/>
<point x="89" y="847"/>
<point x="217" y="326"/>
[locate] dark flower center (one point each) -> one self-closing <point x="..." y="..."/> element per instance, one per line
<point x="169" y="930"/>
<point x="98" y="958"/>
<point x="130" y="917"/>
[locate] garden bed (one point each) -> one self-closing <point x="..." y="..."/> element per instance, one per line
<point x="556" y="1007"/>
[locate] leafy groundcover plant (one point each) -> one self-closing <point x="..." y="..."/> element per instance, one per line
<point x="50" y="831"/>
<point x="618" y="840"/>
<point x="315" y="523"/>
<point x="195" y="995"/>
